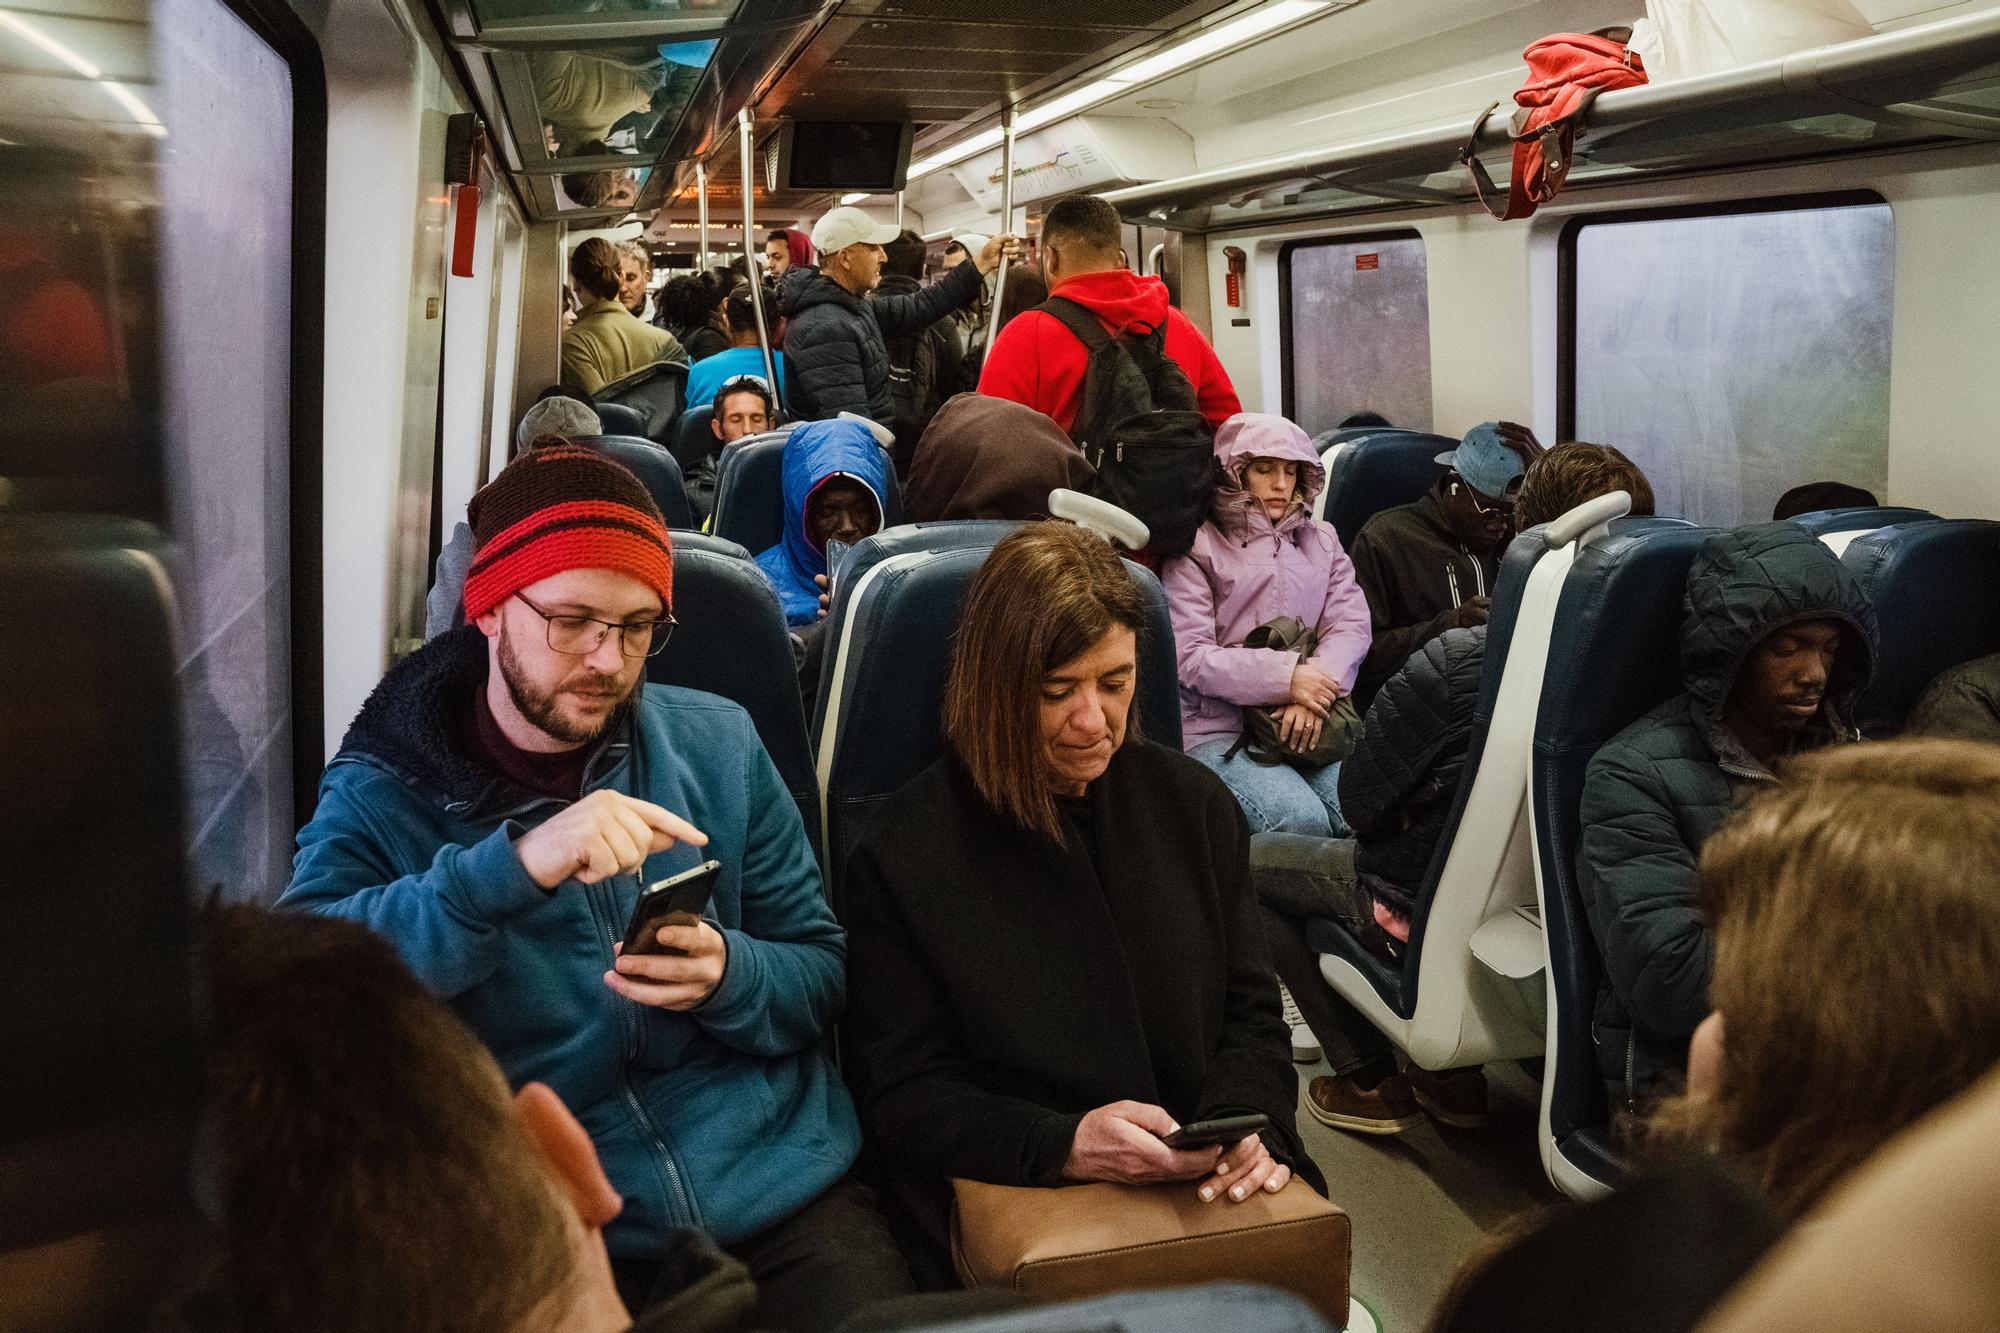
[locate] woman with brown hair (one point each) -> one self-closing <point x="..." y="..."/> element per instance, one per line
<point x="1857" y="961"/>
<point x="1054" y="952"/>
<point x="607" y="342"/>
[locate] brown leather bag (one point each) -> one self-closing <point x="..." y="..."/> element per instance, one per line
<point x="1084" y="1240"/>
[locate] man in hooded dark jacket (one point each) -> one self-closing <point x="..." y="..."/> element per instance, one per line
<point x="835" y="357"/>
<point x="1777" y="642"/>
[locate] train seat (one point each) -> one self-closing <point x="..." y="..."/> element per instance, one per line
<point x="1468" y="989"/>
<point x="654" y="467"/>
<point x="656" y="392"/>
<point x="1614" y="653"/>
<point x="1838" y="527"/>
<point x="750" y="495"/>
<point x="618" y="419"/>
<point x="886" y="730"/>
<point x="732" y="641"/>
<point x="1936" y="590"/>
<point x="693" y="440"/>
<point x="1376" y="470"/>
<point x="948" y="535"/>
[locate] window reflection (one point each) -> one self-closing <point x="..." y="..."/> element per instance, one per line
<point x="595" y="104"/>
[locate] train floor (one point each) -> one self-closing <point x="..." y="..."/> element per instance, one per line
<point x="1423" y="1201"/>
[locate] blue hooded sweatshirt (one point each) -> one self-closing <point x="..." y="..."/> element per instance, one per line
<point x="816" y="453"/>
<point x="728" y="1117"/>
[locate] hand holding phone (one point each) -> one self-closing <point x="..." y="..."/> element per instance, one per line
<point x="678" y="901"/>
<point x="1217" y="1133"/>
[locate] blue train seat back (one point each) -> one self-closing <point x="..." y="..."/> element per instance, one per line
<point x="1936" y="590"/>
<point x="656" y="392"/>
<point x="618" y="419"/>
<point x="1838" y="527"/>
<point x="904" y="539"/>
<point x="693" y="437"/>
<point x="750" y="493"/>
<point x="654" y="467"/>
<point x="98" y="1040"/>
<point x="1397" y="982"/>
<point x="732" y="641"/>
<point x="905" y="615"/>
<point x="1615" y="654"/>
<point x="1378" y="470"/>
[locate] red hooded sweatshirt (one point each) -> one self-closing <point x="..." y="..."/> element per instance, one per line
<point x="1037" y="361"/>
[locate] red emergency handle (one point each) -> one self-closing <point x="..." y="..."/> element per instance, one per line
<point x="466" y="232"/>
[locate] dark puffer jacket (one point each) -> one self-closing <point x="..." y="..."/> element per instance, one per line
<point x="926" y="367"/>
<point x="1397" y="788"/>
<point x="835" y="357"/>
<point x="1659" y="788"/>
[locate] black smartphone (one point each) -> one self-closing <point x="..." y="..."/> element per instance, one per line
<point x="678" y="901"/>
<point x="835" y="553"/>
<point x="1211" y="1133"/>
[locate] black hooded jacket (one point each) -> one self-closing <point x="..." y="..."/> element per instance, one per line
<point x="1659" y="788"/>
<point x="835" y="357"/>
<point x="1416" y="574"/>
<point x="1397" y="788"/>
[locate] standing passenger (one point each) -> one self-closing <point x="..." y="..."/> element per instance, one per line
<point x="606" y="344"/>
<point x="834" y="340"/>
<point x="494" y="811"/>
<point x="635" y="274"/>
<point x="1430" y="565"/>
<point x="927" y="365"/>
<point x="1262" y="556"/>
<point x="742" y="359"/>
<point x="1038" y="361"/>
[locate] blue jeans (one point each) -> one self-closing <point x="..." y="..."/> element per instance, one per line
<point x="1281" y="799"/>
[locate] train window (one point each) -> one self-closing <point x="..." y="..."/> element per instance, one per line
<point x="226" y="283"/>
<point x="1356" y="321"/>
<point x="1734" y="355"/>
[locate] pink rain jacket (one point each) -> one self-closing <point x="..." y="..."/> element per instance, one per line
<point x="1245" y="571"/>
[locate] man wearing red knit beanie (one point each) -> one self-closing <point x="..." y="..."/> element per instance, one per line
<point x="495" y="810"/>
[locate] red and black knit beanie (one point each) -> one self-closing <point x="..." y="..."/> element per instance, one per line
<point x="560" y="507"/>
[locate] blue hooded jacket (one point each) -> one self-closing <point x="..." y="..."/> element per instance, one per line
<point x="729" y="1117"/>
<point x="816" y="452"/>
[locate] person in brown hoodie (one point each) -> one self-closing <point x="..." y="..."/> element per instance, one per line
<point x="988" y="457"/>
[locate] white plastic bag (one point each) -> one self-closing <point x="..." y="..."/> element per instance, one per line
<point x="1702" y="36"/>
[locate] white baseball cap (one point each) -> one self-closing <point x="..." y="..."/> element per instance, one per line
<point x="842" y="227"/>
<point x="971" y="242"/>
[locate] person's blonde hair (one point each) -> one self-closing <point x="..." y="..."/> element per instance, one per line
<point x="1856" y="912"/>
<point x="1045" y="596"/>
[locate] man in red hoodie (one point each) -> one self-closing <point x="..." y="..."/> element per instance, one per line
<point x="1037" y="361"/>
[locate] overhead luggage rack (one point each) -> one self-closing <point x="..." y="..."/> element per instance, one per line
<point x="1918" y="87"/>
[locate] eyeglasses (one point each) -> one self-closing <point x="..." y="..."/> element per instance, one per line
<point x="1504" y="508"/>
<point x="580" y="636"/>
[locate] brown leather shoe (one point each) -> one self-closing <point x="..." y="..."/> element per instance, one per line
<point x="1455" y="1097"/>
<point x="1387" y="1108"/>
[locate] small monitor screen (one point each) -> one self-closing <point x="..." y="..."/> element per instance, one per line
<point x="848" y="155"/>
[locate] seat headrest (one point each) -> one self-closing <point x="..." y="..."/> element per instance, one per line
<point x="732" y="641"/>
<point x="618" y="419"/>
<point x="1820" y="522"/>
<point x="888" y="729"/>
<point x="654" y="467"/>
<point x="1378" y="470"/>
<point x="1933" y="587"/>
<point x="693" y="440"/>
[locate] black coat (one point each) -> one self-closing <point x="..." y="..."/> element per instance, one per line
<point x="1398" y="787"/>
<point x="1001" y="986"/>
<point x="1656" y="791"/>
<point x="1416" y="573"/>
<point x="835" y="357"/>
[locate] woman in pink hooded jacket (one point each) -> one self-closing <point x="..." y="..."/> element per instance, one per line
<point x="1262" y="555"/>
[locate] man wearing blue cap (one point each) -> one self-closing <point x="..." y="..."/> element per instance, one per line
<point x="1430" y="564"/>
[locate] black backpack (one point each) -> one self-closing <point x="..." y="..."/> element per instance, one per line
<point x="1140" y="427"/>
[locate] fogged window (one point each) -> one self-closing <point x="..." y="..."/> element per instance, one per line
<point x="227" y="189"/>
<point x="1360" y="329"/>
<point x="1736" y="356"/>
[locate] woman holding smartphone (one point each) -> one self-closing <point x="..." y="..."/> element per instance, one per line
<point x="1054" y="957"/>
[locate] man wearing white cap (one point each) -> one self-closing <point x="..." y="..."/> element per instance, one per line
<point x="836" y="360"/>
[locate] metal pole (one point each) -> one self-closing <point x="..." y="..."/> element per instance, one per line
<point x="899" y="210"/>
<point x="701" y="194"/>
<point x="745" y="149"/>
<point x="1006" y="218"/>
